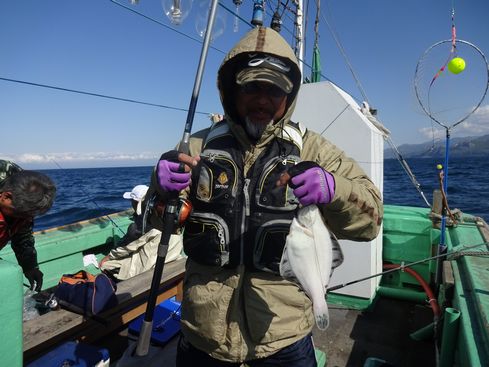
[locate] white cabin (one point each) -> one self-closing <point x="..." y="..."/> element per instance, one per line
<point x="330" y="111"/>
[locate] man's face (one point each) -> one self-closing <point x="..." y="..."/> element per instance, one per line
<point x="260" y="103"/>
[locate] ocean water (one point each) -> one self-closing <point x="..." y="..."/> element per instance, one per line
<point x="92" y="192"/>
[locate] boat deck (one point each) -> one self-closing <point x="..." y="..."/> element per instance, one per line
<point x="383" y="333"/>
<point x="352" y="337"/>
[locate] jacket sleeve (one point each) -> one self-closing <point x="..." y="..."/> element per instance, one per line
<point x="356" y="210"/>
<point x="23" y="246"/>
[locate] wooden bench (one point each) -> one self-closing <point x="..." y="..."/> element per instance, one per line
<point x="53" y="328"/>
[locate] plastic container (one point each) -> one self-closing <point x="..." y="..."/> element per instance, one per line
<point x="166" y="322"/>
<point x="73" y="354"/>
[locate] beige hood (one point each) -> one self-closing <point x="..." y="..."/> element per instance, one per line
<point x="258" y="40"/>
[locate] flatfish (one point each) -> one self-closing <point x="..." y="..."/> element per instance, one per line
<point x="308" y="259"/>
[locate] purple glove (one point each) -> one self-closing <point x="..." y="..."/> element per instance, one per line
<point x="311" y="183"/>
<point x="169" y="174"/>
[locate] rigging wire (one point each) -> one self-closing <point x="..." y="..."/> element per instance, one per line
<point x="399" y="157"/>
<point x="92" y="201"/>
<point x="343" y="53"/>
<point x="98" y="95"/>
<point x="164" y="25"/>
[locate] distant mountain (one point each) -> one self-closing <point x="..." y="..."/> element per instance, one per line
<point x="473" y="146"/>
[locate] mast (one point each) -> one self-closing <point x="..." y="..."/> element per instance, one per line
<point x="299" y="28"/>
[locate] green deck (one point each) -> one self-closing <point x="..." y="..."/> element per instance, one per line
<point x="408" y="236"/>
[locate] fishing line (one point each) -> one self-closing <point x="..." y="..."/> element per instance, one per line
<point x="97" y="95"/>
<point x="92" y="201"/>
<point x="451" y="256"/>
<point x="163" y="24"/>
<point x="345" y="57"/>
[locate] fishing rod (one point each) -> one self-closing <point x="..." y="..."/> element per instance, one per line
<point x="402" y="266"/>
<point x="170" y="214"/>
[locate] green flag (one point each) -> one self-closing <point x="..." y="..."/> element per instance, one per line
<point x="316" y="65"/>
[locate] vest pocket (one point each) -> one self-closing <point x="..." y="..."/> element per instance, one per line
<point x="217" y="180"/>
<point x="268" y="195"/>
<point x="206" y="239"/>
<point x="269" y="245"/>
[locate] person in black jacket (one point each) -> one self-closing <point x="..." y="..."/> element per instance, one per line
<point x="23" y="196"/>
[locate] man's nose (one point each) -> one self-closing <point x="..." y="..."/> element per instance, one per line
<point x="263" y="95"/>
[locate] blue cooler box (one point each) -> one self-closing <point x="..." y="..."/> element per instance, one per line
<point x="74" y="354"/>
<point x="166" y="322"/>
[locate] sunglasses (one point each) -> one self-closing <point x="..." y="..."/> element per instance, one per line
<point x="257" y="87"/>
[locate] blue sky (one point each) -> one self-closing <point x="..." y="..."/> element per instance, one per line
<point x="100" y="47"/>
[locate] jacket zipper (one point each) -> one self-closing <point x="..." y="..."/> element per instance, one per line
<point x="246" y="213"/>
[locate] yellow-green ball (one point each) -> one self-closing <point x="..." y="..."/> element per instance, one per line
<point x="439" y="166"/>
<point x="456" y="65"/>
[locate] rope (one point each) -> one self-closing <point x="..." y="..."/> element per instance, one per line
<point x="468" y="253"/>
<point x="316" y="23"/>
<point x="453" y="51"/>
<point x="96" y="95"/>
<point x="452" y="256"/>
<point x="444" y="197"/>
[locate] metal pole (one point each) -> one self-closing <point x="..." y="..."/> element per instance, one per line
<point x="171" y="208"/>
<point x="442" y="245"/>
<point x="300" y="36"/>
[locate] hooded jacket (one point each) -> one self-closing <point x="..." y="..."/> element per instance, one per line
<point x="236" y="313"/>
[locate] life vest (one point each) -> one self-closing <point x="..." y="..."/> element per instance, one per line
<point x="237" y="219"/>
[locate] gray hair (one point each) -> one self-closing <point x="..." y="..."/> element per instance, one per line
<point x="32" y="192"/>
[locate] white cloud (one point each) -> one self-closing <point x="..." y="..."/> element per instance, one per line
<point x="72" y="158"/>
<point x="477" y="124"/>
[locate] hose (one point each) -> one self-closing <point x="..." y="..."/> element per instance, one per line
<point x="431" y="297"/>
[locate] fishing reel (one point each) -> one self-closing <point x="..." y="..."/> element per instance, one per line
<point x="184" y="209"/>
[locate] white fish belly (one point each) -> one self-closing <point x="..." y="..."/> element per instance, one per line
<point x="307" y="258"/>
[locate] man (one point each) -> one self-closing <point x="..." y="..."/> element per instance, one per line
<point x="137" y="252"/>
<point x="236" y="308"/>
<point x="23" y="195"/>
<point x="135" y="229"/>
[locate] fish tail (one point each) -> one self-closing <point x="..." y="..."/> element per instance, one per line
<point x="321" y="315"/>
